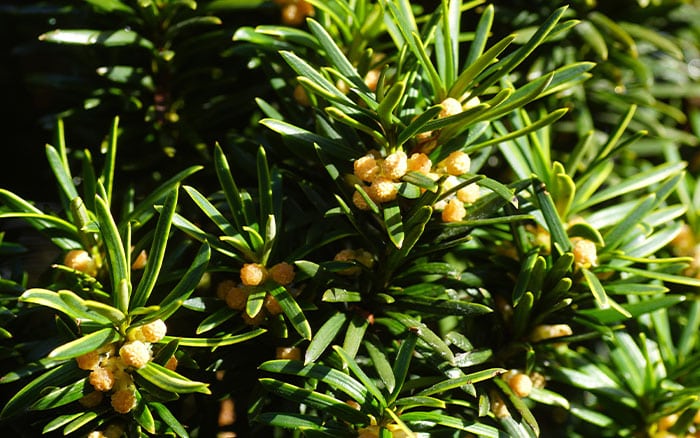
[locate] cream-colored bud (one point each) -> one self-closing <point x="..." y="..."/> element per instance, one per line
<point x="498" y="406"/>
<point x="538" y="380"/>
<point x="102" y="379"/>
<point x="123" y="400"/>
<point x="154" y="331"/>
<point x="440" y="205"/>
<point x="372" y="78"/>
<point x="366" y="168"/>
<point x="382" y="190"/>
<point x="450" y="107"/>
<point x="419" y="162"/>
<point x="550" y="331"/>
<point x="471" y="103"/>
<point x="454" y="211"/>
<point x="395" y="165"/>
<point x="80" y="260"/>
<point x="135" y="354"/>
<point x="469" y="194"/>
<point x="457" y="163"/>
<point x="88" y="361"/>
<point x="426" y="136"/>
<point x="585" y="254"/>
<point x="449" y="183"/>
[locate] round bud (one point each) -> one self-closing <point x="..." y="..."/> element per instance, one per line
<point x="102" y="379"/>
<point x="395" y="165"/>
<point x="521" y="384"/>
<point x="223" y="288"/>
<point x="366" y="168"/>
<point x="426" y="136"/>
<point x="549" y="331"/>
<point x="88" y="361"/>
<point x="469" y="193"/>
<point x="454" y="211"/>
<point x="227" y="414"/>
<point x="272" y="305"/>
<point x="457" y="163"/>
<point x="123" y="400"/>
<point x="237" y="297"/>
<point x="301" y="96"/>
<point x="372" y="78"/>
<point x="539" y="381"/>
<point x="135" y="354"/>
<point x="382" y="190"/>
<point x="498" y="406"/>
<point x="154" y="331"/>
<point x="80" y="260"/>
<point x="291" y="16"/>
<point x="419" y="162"/>
<point x="450" y="107"/>
<point x="585" y="254"/>
<point x="282" y="273"/>
<point x="305" y="7"/>
<point x="344" y="255"/>
<point x="253" y="274"/>
<point x="360" y="201"/>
